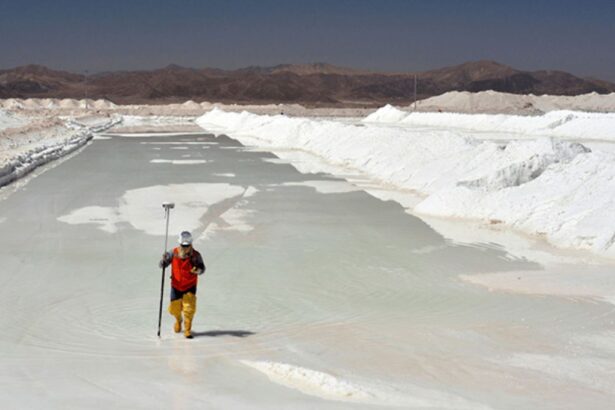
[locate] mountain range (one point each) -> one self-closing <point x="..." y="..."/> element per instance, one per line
<point x="310" y="84"/>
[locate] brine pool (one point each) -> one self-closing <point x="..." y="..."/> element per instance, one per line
<point x="317" y="294"/>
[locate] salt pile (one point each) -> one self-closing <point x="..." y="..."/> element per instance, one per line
<point x="11" y="103"/>
<point x="140" y="120"/>
<point x="55" y="104"/>
<point x="10" y="120"/>
<point x="191" y="105"/>
<point x="497" y="102"/>
<point x="68" y="103"/>
<point x="76" y="136"/>
<point x="561" y="124"/>
<point x="554" y="189"/>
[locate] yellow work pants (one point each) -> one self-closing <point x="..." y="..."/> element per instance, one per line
<point x="185" y="306"/>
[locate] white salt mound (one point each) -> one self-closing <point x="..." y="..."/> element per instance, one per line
<point x="69" y="103"/>
<point x="191" y="105"/>
<point x="497" y="102"/>
<point x="36" y="153"/>
<point x="10" y="120"/>
<point x="11" y="104"/>
<point x="561" y="124"/>
<point x="49" y="103"/>
<point x="387" y="114"/>
<point x="558" y="190"/>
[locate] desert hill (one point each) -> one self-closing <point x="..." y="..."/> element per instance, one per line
<point x="312" y="84"/>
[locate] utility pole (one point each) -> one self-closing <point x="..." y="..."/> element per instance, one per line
<point x="415" y="81"/>
<point x="85" y="79"/>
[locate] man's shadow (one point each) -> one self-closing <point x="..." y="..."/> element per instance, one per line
<point x="217" y="333"/>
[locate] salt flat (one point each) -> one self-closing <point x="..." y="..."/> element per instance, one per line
<point x="317" y="295"/>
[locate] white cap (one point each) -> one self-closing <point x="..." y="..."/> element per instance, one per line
<point x="185" y="238"/>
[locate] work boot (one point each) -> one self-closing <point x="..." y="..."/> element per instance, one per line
<point x="178" y="325"/>
<point x="188" y="308"/>
<point x="188" y="329"/>
<point x="175" y="309"/>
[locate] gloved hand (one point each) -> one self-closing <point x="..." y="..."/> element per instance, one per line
<point x="166" y="259"/>
<point x="196" y="271"/>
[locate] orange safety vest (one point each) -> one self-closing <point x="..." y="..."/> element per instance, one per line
<point x="181" y="277"/>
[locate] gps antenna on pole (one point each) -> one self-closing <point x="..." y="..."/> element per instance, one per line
<point x="167" y="213"/>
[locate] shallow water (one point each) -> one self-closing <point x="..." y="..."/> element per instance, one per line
<point x="317" y="295"/>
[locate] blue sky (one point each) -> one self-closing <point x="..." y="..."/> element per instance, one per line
<point x="391" y="35"/>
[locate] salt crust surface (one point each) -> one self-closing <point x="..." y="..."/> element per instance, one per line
<point x="325" y="187"/>
<point x="141" y="208"/>
<point x="178" y="161"/>
<point x="330" y="387"/>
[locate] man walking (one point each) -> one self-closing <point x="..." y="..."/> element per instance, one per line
<point x="186" y="265"/>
